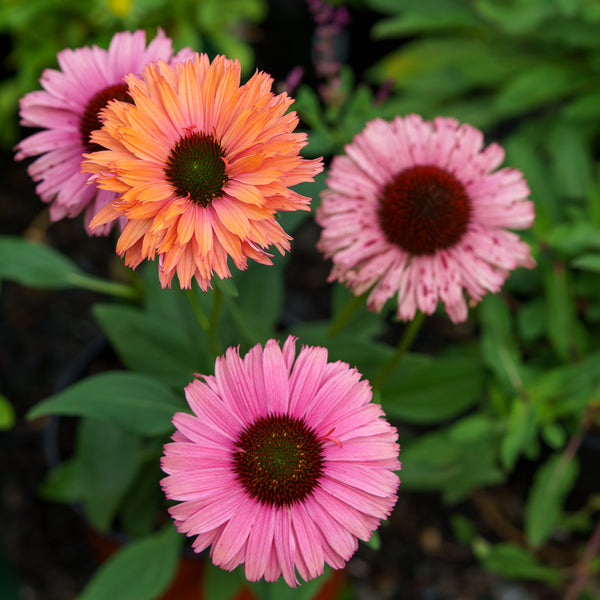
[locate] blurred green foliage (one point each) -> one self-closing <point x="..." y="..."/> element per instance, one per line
<point x="7" y="414"/>
<point x="524" y="388"/>
<point x="37" y="30"/>
<point x="527" y="73"/>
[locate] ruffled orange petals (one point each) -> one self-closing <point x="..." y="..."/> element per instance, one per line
<point x="200" y="106"/>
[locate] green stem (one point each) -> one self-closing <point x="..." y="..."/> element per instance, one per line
<point x="344" y="317"/>
<point x="213" y="337"/>
<point x="198" y="310"/>
<point x="208" y="325"/>
<point x="111" y="288"/>
<point x="403" y="345"/>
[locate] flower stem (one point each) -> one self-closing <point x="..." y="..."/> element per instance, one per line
<point x="213" y="337"/>
<point x="111" y="288"/>
<point x="344" y="317"/>
<point x="405" y="341"/>
<point x="197" y="309"/>
<point x="208" y="325"/>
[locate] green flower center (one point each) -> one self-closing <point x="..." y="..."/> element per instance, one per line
<point x="90" y="120"/>
<point x="196" y="168"/>
<point x="279" y="460"/>
<point x="424" y="209"/>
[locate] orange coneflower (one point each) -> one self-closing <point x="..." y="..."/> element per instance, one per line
<point x="201" y="165"/>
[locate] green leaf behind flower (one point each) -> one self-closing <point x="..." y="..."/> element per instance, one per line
<point x="551" y="485"/>
<point x="40" y="266"/>
<point x="149" y="343"/>
<point x="136" y="403"/>
<point x="141" y="570"/>
<point x="423" y="389"/>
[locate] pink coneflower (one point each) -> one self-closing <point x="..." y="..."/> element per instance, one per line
<point x="283" y="464"/>
<point x="202" y="165"/>
<point x="67" y="110"/>
<point x="414" y="209"/>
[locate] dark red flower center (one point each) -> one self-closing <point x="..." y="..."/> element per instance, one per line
<point x="279" y="460"/>
<point x="424" y="209"/>
<point x="196" y="168"/>
<point x="90" y="121"/>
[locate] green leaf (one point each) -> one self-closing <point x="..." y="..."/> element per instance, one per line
<point x="563" y="326"/>
<point x="447" y="14"/>
<point x="584" y="107"/>
<point x="513" y="562"/>
<point x="515" y="17"/>
<point x="539" y="84"/>
<point x="367" y="356"/>
<point x="171" y="305"/>
<point x="64" y="482"/>
<point x="36" y="265"/>
<point x="587" y="262"/>
<point x="471" y="429"/>
<point x="358" y="109"/>
<point x="554" y="435"/>
<point x="573" y="238"/>
<point x="426" y="390"/>
<point x="7" y="414"/>
<point x="40" y="266"/>
<point x="532" y="320"/>
<point x="280" y="590"/>
<point x="141" y="570"/>
<point x="108" y="460"/>
<point x="374" y="542"/>
<point x="220" y="584"/>
<point x="143" y="501"/>
<point x="151" y="344"/>
<point x="551" y="485"/>
<point x="499" y="347"/>
<point x="448" y="67"/>
<point x="257" y="310"/>
<point x="356" y="317"/>
<point x="520" y="431"/>
<point x="308" y="107"/>
<point x="571" y="160"/>
<point x="453" y="460"/>
<point x="565" y="391"/>
<point x="136" y="403"/>
<point x="521" y="151"/>
<point x="463" y="528"/>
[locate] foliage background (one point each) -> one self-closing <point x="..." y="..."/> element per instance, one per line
<point x="498" y="417"/>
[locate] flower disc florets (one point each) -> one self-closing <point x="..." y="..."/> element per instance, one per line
<point x="196" y="168"/>
<point x="202" y="164"/>
<point x="279" y="460"/>
<point x="417" y="210"/>
<point x="283" y="463"/>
